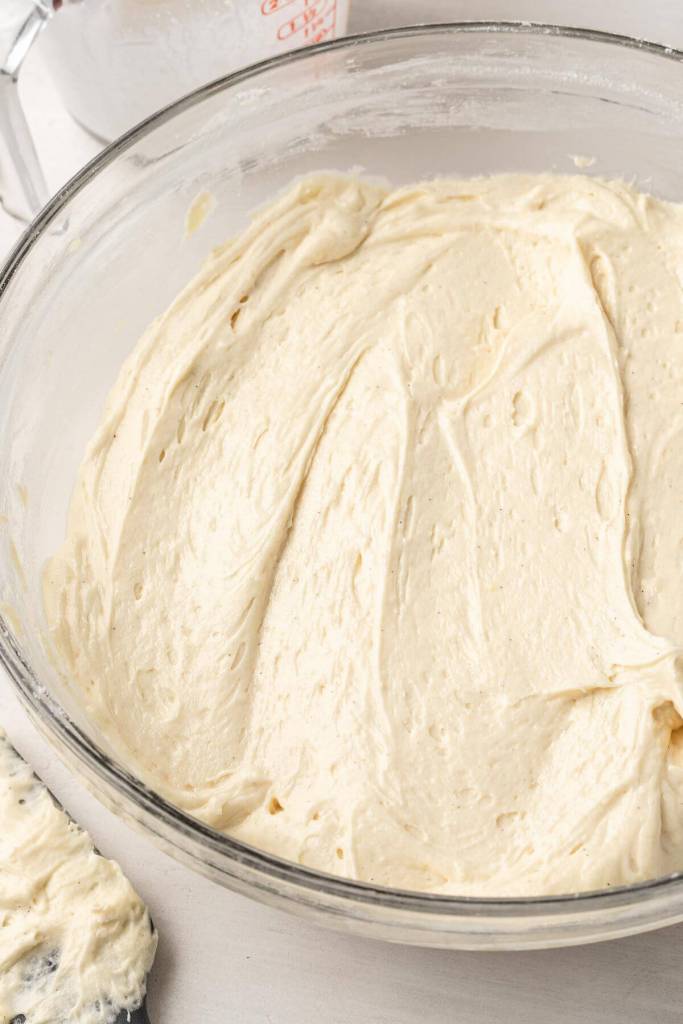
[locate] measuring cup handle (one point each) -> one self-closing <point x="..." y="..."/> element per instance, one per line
<point x="23" y="190"/>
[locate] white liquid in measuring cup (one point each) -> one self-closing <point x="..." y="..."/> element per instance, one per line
<point x="117" y="61"/>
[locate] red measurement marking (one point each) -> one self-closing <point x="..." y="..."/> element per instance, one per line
<point x="317" y="33"/>
<point x="313" y="20"/>
<point x="321" y="36"/>
<point x="310" y="21"/>
<point x="273" y="6"/>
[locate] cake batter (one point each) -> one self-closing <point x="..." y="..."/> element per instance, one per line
<point x="375" y="560"/>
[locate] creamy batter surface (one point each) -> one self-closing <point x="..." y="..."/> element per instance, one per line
<point x="375" y="560"/>
<point x="76" y="941"/>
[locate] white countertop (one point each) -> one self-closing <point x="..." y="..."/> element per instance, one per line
<point x="223" y="958"/>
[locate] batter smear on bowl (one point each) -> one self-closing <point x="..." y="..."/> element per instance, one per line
<point x="375" y="559"/>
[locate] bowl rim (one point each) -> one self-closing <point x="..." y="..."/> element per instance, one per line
<point x="49" y="713"/>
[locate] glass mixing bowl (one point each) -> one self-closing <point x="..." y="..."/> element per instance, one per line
<point x="112" y="249"/>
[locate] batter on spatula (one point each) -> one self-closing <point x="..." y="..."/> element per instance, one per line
<point x="76" y="941"/>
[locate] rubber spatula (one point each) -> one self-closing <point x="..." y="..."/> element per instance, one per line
<point x="76" y="942"/>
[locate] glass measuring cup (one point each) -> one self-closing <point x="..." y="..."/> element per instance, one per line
<point x="117" y="61"/>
